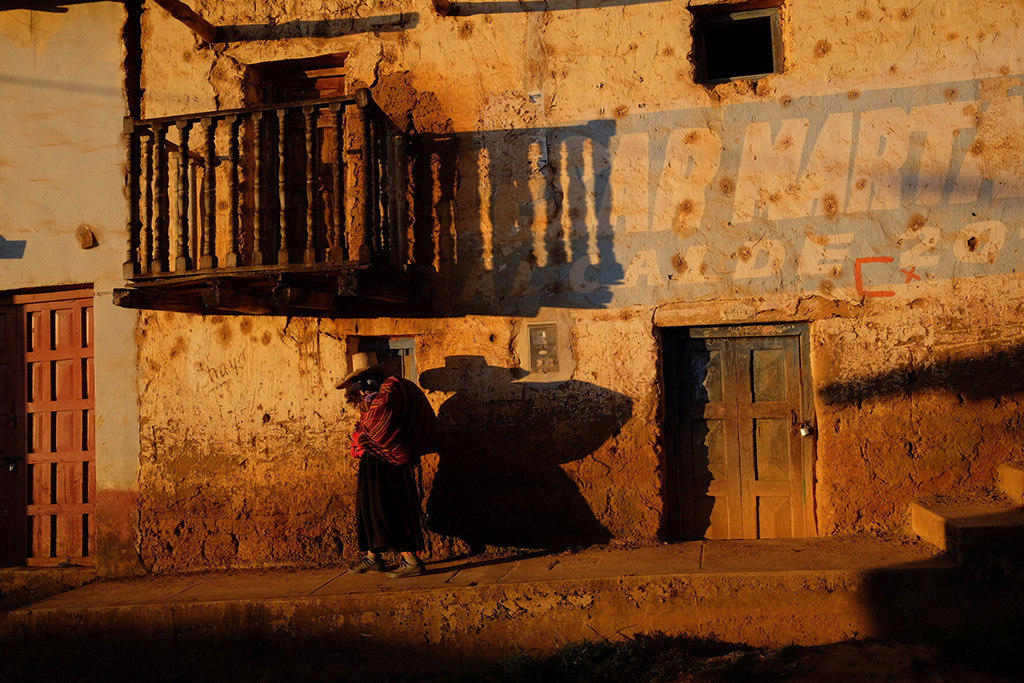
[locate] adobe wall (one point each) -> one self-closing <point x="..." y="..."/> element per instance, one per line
<point x="61" y="168"/>
<point x="568" y="168"/>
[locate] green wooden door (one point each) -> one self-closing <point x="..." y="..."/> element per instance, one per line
<point x="737" y="465"/>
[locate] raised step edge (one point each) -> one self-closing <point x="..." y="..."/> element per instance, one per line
<point x="1010" y="478"/>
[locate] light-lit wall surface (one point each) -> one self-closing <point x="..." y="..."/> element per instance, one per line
<point x="62" y="167"/>
<point x="569" y="168"/>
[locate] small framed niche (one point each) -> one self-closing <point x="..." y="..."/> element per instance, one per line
<point x="734" y="42"/>
<point x="544" y="347"/>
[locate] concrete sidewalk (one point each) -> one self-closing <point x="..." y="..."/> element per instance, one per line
<point x="764" y="592"/>
<point x="849" y="555"/>
<point x="808" y="591"/>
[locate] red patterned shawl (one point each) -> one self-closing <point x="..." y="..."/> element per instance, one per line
<point x="398" y="425"/>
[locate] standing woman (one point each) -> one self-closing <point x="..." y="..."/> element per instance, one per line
<point x="396" y="426"/>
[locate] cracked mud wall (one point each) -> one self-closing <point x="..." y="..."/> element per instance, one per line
<point x="565" y="160"/>
<point x="245" y="441"/>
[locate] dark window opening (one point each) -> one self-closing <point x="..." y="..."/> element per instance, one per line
<point x="734" y="44"/>
<point x="402" y="349"/>
<point x="301" y="80"/>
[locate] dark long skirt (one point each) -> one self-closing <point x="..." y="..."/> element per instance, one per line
<point x="387" y="507"/>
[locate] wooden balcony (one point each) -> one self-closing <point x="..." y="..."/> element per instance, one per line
<point x="281" y="209"/>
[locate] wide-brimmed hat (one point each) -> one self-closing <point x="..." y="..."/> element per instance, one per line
<point x="366" y="363"/>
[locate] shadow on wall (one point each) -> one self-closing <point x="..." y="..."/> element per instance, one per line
<point x="326" y="28"/>
<point x="1000" y="373"/>
<point x="541" y="206"/>
<point x="11" y="249"/>
<point x="498" y="479"/>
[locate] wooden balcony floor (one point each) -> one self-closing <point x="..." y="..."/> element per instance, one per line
<point x="323" y="289"/>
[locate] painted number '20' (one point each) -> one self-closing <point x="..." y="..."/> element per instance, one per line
<point x="979" y="242"/>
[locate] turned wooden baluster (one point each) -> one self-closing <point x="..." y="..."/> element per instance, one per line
<point x="231" y="258"/>
<point x="146" y="241"/>
<point x="257" y="221"/>
<point x="133" y="256"/>
<point x="338" y="251"/>
<point x="396" y="197"/>
<point x="384" y="187"/>
<point x="282" y="190"/>
<point x="161" y="182"/>
<point x="310" y="253"/>
<point x="184" y="260"/>
<point x="374" y="184"/>
<point x="208" y="255"/>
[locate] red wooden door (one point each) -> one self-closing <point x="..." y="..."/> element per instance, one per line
<point x="737" y="465"/>
<point x="54" y="478"/>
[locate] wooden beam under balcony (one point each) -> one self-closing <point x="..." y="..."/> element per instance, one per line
<point x="364" y="291"/>
<point x="226" y="295"/>
<point x="291" y="295"/>
<point x="190" y="18"/>
<point x="155" y="301"/>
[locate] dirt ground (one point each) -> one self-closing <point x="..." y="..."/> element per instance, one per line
<point x="642" y="659"/>
<point x="676" y="660"/>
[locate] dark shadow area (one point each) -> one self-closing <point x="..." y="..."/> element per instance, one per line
<point x="467" y="562"/>
<point x="498" y="479"/>
<point x="468" y="9"/>
<point x="12" y="249"/>
<point x="989" y="376"/>
<point x="973" y="619"/>
<point x="326" y="28"/>
<point x="689" y="369"/>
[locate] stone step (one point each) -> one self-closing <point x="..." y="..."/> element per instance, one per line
<point x="986" y="533"/>
<point x="1010" y="478"/>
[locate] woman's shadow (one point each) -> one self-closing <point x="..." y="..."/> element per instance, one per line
<point x="498" y="480"/>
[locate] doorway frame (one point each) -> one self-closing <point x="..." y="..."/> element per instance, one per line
<point x="671" y="527"/>
<point x="19" y="537"/>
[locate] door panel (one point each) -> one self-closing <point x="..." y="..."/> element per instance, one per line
<point x="736" y="460"/>
<point x="48" y="499"/>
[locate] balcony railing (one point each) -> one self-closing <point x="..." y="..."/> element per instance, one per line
<point x="241" y="200"/>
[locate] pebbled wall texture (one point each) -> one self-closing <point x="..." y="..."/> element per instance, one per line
<point x="569" y="169"/>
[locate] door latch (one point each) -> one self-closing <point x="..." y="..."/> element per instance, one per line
<point x="12" y="462"/>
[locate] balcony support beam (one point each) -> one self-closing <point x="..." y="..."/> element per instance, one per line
<point x="225" y="295"/>
<point x="289" y="295"/>
<point x="188" y="16"/>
